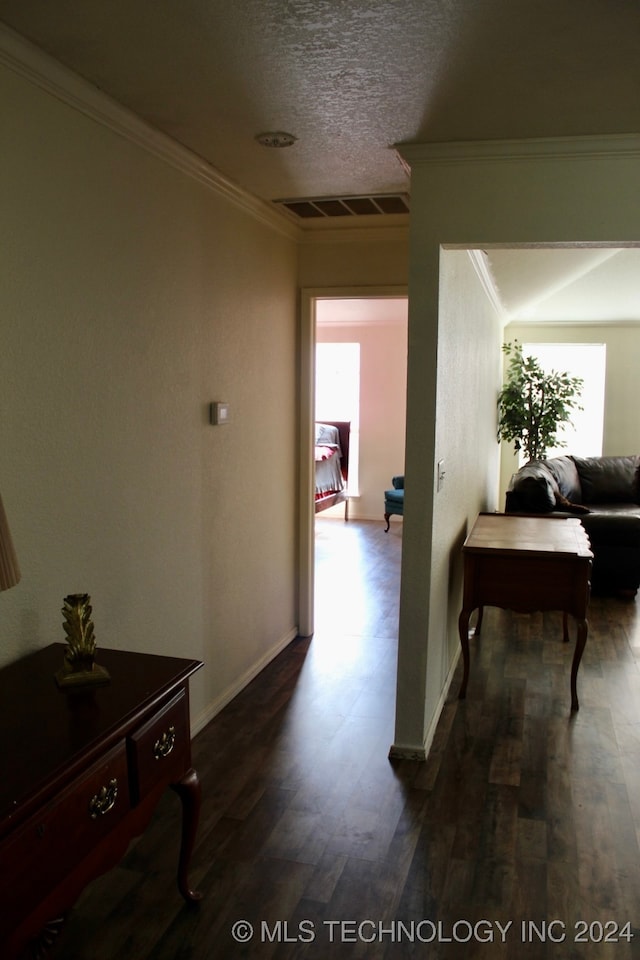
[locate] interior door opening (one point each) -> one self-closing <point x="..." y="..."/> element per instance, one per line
<point x="374" y="319"/>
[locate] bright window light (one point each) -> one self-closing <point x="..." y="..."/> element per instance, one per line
<point x="583" y="435"/>
<point x="338" y="395"/>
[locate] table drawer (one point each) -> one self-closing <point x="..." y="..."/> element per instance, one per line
<point x="160" y="749"/>
<point x="42" y="851"/>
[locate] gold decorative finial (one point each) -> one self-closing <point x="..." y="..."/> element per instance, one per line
<point x="79" y="659"/>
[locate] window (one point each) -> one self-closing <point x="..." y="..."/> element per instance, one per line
<point x="583" y="435"/>
<point x="338" y="394"/>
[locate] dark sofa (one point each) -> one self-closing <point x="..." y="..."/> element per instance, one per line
<point x="604" y="492"/>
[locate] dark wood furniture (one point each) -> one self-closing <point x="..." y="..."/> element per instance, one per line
<point x="82" y="772"/>
<point x="330" y="499"/>
<point x="526" y="564"/>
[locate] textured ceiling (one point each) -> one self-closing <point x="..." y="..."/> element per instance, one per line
<point x="348" y="78"/>
<point x="591" y="285"/>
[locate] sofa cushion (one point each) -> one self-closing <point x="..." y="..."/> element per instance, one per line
<point x="607" y="479"/>
<point x="615" y="541"/>
<point x="623" y="510"/>
<point x="611" y="527"/>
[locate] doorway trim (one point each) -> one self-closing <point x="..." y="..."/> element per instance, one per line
<point x="306" y="514"/>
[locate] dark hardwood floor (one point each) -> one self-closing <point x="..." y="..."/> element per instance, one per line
<point x="523" y="814"/>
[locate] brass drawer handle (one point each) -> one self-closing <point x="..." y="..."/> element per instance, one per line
<point x="165" y="744"/>
<point x="104" y="800"/>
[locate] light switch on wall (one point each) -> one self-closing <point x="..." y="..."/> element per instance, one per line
<point x="219" y="413"/>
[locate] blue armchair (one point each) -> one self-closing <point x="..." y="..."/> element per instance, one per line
<point x="394" y="500"/>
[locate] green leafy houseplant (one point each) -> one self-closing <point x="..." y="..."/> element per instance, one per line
<point x="533" y="404"/>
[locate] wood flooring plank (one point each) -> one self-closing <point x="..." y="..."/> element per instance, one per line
<point x="522" y="811"/>
<point x="322" y="883"/>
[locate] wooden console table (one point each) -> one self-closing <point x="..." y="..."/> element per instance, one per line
<point x="81" y="774"/>
<point x="526" y="564"/>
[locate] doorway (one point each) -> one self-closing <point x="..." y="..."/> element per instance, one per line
<point x="366" y="316"/>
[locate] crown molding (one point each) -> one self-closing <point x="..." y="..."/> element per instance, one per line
<point x="545" y="148"/>
<point x="38" y="68"/>
<point x="572" y="324"/>
<point x="483" y="272"/>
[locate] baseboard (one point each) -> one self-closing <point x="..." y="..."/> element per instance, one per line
<point x="234" y="689"/>
<point x="431" y="731"/>
<point x="404" y="751"/>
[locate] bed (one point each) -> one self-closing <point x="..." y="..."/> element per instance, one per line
<point x="332" y="464"/>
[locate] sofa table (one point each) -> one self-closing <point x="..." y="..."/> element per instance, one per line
<point x="82" y="773"/>
<point x="526" y="564"/>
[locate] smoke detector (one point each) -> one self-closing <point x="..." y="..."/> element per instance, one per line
<point x="276" y="139"/>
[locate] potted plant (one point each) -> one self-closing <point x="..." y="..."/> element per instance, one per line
<point x="533" y="404"/>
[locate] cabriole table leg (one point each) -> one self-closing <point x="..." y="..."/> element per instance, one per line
<point x="463" y="629"/>
<point x="189" y="791"/>
<point x="577" y="657"/>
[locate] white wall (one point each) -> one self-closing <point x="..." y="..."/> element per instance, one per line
<point x="381" y="331"/>
<point x="355" y="257"/>
<point x="465" y="383"/>
<point x="132" y="295"/>
<point x="473" y="195"/>
<point x="469" y="370"/>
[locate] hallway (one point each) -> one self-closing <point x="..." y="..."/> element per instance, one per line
<point x="311" y="835"/>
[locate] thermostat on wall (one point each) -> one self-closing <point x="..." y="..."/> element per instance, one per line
<point x="219" y="413"/>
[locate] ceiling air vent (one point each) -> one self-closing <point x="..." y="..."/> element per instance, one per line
<point x="347" y="206"/>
